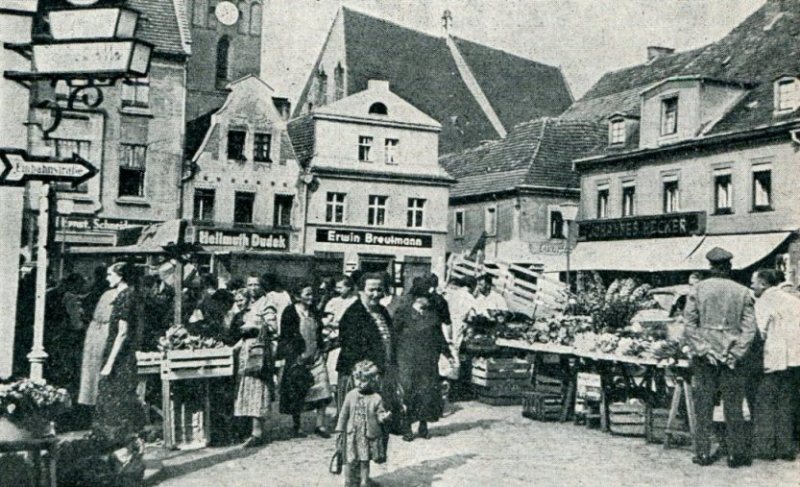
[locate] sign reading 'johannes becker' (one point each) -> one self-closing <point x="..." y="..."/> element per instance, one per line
<point x="651" y="226"/>
<point x="241" y="238"/>
<point x="386" y="239"/>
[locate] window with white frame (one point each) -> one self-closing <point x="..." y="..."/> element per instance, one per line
<point x="136" y="92"/>
<point x="415" y="215"/>
<point x="787" y="94"/>
<point x="671" y="196"/>
<point x="723" y="193"/>
<point x="603" y="196"/>
<point x="616" y="131"/>
<point x="282" y="210"/>
<point x="365" y="148"/>
<point x="334" y="207"/>
<point x="390" y="151"/>
<point x="376" y="211"/>
<point x="132" y="166"/>
<point x="64" y="150"/>
<point x="458" y="231"/>
<point x="262" y="146"/>
<point x="628" y="199"/>
<point x="669" y="115"/>
<point x="490" y="220"/>
<point x="762" y="189"/>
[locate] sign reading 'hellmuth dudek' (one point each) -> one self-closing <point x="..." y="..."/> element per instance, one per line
<point x="242" y="239"/>
<point x="386" y="239"/>
<point x="638" y="227"/>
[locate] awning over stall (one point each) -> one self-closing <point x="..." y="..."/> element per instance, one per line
<point x="151" y="240"/>
<point x="673" y="254"/>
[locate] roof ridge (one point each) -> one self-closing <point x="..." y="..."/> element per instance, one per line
<point x="507" y="52"/>
<point x="392" y="22"/>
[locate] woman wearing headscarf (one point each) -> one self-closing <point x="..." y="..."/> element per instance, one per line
<point x="304" y="383"/>
<point x="419" y="342"/>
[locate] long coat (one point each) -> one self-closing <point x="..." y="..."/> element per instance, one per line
<point x="419" y="343"/>
<point x="296" y="374"/>
<point x="360" y="339"/>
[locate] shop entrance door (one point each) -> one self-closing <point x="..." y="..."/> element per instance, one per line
<point x="375" y="263"/>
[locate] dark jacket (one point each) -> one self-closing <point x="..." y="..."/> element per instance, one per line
<point x="360" y="339"/>
<point x="291" y="344"/>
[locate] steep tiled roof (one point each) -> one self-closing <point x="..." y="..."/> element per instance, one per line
<point x="159" y="24"/>
<point x="758" y="51"/>
<point x="537" y="153"/>
<point x="301" y="132"/>
<point x="421" y="69"/>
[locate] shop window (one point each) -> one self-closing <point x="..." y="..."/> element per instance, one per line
<point x="282" y="210"/>
<point x="490" y="220"/>
<point x="243" y="204"/>
<point x="376" y="211"/>
<point x="390" y="150"/>
<point x="223" y="58"/>
<point x="602" y="202"/>
<point x="334" y="207"/>
<point x="669" y="116"/>
<point x="236" y="139"/>
<point x="64" y="150"/>
<point x="255" y="19"/>
<point x="762" y="190"/>
<point x="458" y="231"/>
<point x="262" y="145"/>
<point x="616" y="131"/>
<point x="672" y="196"/>
<point x="204" y="204"/>
<point x="556" y="224"/>
<point x="132" y="166"/>
<point x="723" y="194"/>
<point x="415" y="215"/>
<point x="364" y="148"/>
<point x="628" y="200"/>
<point x="136" y="92"/>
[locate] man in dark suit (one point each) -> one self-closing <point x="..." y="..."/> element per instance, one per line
<point x="720" y="329"/>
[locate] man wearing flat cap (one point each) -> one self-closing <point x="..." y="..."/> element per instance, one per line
<point x="720" y="329"/>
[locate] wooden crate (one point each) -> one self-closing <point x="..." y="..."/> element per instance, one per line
<point x="148" y="363"/>
<point x="627" y="419"/>
<point x="542" y="407"/>
<point x="656" y="424"/>
<point x="545" y="384"/>
<point x="197" y="364"/>
<point x="500" y="401"/>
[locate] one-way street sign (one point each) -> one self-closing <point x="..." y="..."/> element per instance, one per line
<point x="20" y="167"/>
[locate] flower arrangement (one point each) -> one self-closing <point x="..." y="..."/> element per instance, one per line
<point x="178" y="338"/>
<point x="26" y="397"/>
<point x="613" y="307"/>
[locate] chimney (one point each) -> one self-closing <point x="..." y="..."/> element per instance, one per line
<point x="377" y="84"/>
<point x="447" y="22"/>
<point x="283" y="105"/>
<point x="654" y="52"/>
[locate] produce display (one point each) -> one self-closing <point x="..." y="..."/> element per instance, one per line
<point x="178" y="338"/>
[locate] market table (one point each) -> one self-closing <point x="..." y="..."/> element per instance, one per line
<point x="683" y="387"/>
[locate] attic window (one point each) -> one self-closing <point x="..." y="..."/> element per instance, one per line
<point x="787" y="94"/>
<point x="378" y="109"/>
<point x="616" y="131"/>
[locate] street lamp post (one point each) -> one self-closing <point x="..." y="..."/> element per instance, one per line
<point x="569" y="212"/>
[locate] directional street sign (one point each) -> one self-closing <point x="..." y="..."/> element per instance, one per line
<point x="20" y="167"/>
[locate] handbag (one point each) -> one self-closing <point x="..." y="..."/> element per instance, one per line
<point x="254" y="361"/>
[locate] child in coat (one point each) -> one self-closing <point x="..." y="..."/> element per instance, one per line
<point x="360" y="426"/>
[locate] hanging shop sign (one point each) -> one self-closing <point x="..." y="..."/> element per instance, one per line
<point x="235" y="238"/>
<point x="20" y="167"/>
<point x="92" y="23"/>
<point x="96" y="57"/>
<point x="652" y="226"/>
<point x="364" y="237"/>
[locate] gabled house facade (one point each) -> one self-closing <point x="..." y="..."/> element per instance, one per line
<point x="509" y="193"/>
<point x="702" y="152"/>
<point x="376" y="195"/>
<point x="475" y="92"/>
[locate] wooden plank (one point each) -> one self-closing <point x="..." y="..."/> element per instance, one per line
<point x="189" y="374"/>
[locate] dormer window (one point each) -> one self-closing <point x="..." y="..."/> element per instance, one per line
<point x="616" y="131"/>
<point x="378" y="109"/>
<point x="787" y="94"/>
<point x="669" y="115"/>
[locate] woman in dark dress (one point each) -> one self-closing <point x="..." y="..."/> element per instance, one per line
<point x="118" y="415"/>
<point x="419" y="342"/>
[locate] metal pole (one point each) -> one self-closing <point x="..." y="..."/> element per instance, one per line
<point x="569" y="234"/>
<point x="38" y="355"/>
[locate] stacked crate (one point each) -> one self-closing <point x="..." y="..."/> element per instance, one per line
<point x="501" y="381"/>
<point x="627" y="419"/>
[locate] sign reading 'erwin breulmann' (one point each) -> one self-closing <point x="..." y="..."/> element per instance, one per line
<point x="388" y="239"/>
<point x="652" y="226"/>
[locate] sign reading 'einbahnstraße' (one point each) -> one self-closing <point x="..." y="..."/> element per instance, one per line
<point x="387" y="239"/>
<point x="650" y="226"/>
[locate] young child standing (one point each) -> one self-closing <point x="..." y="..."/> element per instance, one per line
<point x="360" y="426"/>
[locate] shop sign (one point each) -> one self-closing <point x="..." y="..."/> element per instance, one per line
<point x="86" y="224"/>
<point x="384" y="239"/>
<point x="129" y="57"/>
<point x="655" y="226"/>
<point x="246" y="239"/>
<point x="549" y="248"/>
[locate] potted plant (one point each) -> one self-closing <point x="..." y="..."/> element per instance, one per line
<point x="27" y="408"/>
